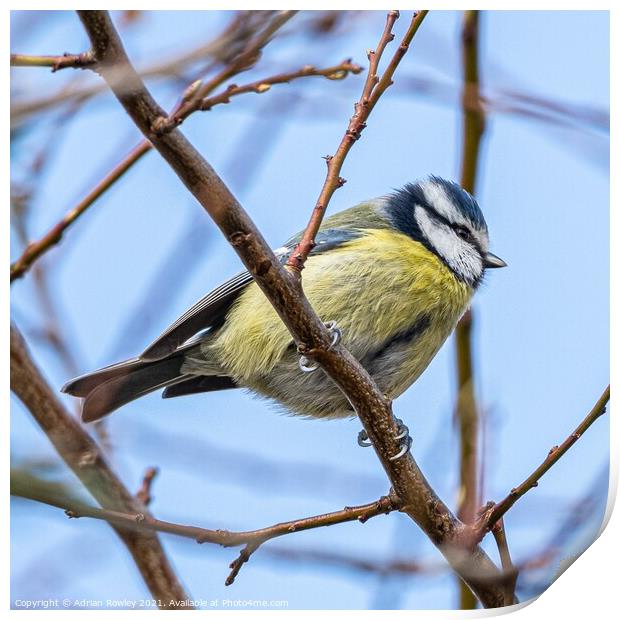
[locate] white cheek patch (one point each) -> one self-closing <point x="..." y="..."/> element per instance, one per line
<point x="463" y="259"/>
<point x="437" y="196"/>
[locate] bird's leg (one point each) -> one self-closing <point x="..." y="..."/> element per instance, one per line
<point x="305" y="364"/>
<point x="403" y="436"/>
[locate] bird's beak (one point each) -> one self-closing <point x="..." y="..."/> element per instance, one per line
<point x="493" y="262"/>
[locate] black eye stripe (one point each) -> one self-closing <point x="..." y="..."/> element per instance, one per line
<point x="440" y="218"/>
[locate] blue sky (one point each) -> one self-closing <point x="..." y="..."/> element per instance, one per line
<point x="227" y="460"/>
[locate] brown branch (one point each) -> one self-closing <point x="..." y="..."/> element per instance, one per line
<point x="494" y="512"/>
<point x="284" y="292"/>
<point x="29" y="487"/>
<point x="374" y="87"/>
<point x="37" y="248"/>
<point x="221" y="49"/>
<point x="337" y="72"/>
<point x="74" y="61"/>
<point x="83" y="456"/>
<point x="467" y="414"/>
<point x="510" y="571"/>
<point x="144" y="492"/>
<point x="244" y="61"/>
<point x="473" y="110"/>
<point x="377" y="566"/>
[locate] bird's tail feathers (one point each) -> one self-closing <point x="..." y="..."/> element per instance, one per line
<point x="114" y="386"/>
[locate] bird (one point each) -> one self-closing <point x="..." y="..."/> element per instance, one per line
<point x="391" y="277"/>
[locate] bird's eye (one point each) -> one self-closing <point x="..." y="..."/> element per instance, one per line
<point x="463" y="233"/>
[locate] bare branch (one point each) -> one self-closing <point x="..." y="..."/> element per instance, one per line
<point x="283" y="290"/>
<point x="245" y="60"/>
<point x="467" y="413"/>
<point x="372" y="91"/>
<point x="83" y="456"/>
<point x="511" y="572"/>
<point x="84" y="60"/>
<point x="37" y="248"/>
<point x="144" y="492"/>
<point x="473" y="110"/>
<point x="494" y="512"/>
<point x="54" y="495"/>
<point x="337" y="72"/>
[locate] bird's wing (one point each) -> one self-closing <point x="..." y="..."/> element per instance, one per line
<point x="210" y="311"/>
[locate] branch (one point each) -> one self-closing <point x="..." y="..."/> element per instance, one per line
<point x="144" y="492"/>
<point x="283" y="290"/>
<point x="471" y="100"/>
<point x="510" y="570"/>
<point x="374" y="87"/>
<point x="494" y="512"/>
<point x="75" y="61"/>
<point x="245" y="60"/>
<point x="337" y="72"/>
<point x="222" y="48"/>
<point x="467" y="413"/>
<point x="83" y="456"/>
<point x="29" y="487"/>
<point x="36" y="249"/>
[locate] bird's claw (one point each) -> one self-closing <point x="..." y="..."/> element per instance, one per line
<point x="403" y="436"/>
<point x="305" y="364"/>
<point x="363" y="440"/>
<point x="405" y="440"/>
<point x="335" y="331"/>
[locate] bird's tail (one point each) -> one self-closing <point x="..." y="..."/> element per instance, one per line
<point x="111" y="387"/>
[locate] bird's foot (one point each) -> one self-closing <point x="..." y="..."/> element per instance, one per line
<point x="305" y="364"/>
<point x="403" y="436"/>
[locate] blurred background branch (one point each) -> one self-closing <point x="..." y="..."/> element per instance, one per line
<point x="466" y="410"/>
<point x="86" y="460"/>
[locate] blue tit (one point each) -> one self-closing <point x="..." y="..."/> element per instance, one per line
<point x="395" y="273"/>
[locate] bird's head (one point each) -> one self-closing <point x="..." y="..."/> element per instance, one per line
<point x="448" y="221"/>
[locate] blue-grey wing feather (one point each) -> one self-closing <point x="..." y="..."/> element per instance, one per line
<point x="210" y="311"/>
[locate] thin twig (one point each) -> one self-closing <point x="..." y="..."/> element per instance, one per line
<point x="223" y="48"/>
<point x="374" y="87"/>
<point x="54" y="495"/>
<point x="244" y="61"/>
<point x="511" y="572"/>
<point x="82" y="454"/>
<point x="337" y="72"/>
<point x="189" y="103"/>
<point x="84" y="60"/>
<point x="494" y="512"/>
<point x="36" y="249"/>
<point x="283" y="290"/>
<point x="144" y="492"/>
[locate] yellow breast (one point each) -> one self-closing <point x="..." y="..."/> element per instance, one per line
<point x="374" y="287"/>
